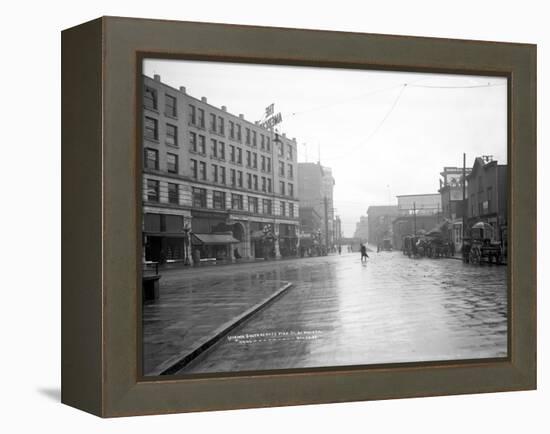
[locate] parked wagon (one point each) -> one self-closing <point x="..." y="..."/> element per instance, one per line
<point x="413" y="246"/>
<point x="387" y="244"/>
<point x="481" y="246"/>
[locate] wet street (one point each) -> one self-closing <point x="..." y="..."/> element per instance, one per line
<point x="342" y="312"/>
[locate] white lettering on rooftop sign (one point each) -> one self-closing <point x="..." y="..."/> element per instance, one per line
<point x="272" y="121"/>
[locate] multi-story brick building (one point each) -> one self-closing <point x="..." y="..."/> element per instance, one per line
<point x="487" y="191"/>
<point x="214" y="184"/>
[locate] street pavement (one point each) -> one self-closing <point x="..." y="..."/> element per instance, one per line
<point x="340" y="312"/>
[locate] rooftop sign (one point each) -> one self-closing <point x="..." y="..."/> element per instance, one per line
<point x="271" y="119"/>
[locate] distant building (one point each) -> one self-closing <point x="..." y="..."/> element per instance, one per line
<point x="315" y="190"/>
<point x="379" y="220"/>
<point x="362" y="229"/>
<point x="417" y="212"/>
<point x="420" y="204"/>
<point x="488" y="196"/>
<point x="410" y="224"/>
<point x="310" y="229"/>
<point x="310" y="220"/>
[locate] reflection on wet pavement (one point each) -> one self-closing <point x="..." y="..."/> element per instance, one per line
<point x="395" y="309"/>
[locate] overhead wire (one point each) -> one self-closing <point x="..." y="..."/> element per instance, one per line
<point x="376" y="129"/>
<point x="473" y="86"/>
<point x="343" y="101"/>
<point x="405" y="85"/>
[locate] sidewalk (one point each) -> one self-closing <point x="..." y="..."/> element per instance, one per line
<point x="194" y="312"/>
<point x="458" y="257"/>
<point x="179" y="265"/>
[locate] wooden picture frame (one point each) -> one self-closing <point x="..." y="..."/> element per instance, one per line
<point x="101" y="222"/>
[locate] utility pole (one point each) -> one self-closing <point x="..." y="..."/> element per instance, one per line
<point x="414" y="215"/>
<point x="275" y="142"/>
<point x="326" y="222"/>
<point x="319" y="153"/>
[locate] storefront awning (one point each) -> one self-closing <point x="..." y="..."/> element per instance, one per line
<point x="210" y="239"/>
<point x="166" y="234"/>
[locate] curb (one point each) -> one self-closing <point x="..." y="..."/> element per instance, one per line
<point x="179" y="361"/>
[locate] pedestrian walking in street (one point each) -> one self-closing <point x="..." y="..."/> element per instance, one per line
<point x="364" y="255"/>
<point x="339" y="249"/>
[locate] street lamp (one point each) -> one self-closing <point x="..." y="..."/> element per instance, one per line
<point x="266" y="230"/>
<point x="319" y="242"/>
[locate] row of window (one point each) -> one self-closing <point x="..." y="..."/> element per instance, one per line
<point x="217" y="124"/>
<point x="199" y="172"/>
<point x="196" y="141"/>
<point x="150" y="101"/>
<point x="153" y="192"/>
<point x="218" y="199"/>
<point x="236" y="179"/>
<point x="151" y="131"/>
<point x="151" y="160"/>
<point x="218" y="151"/>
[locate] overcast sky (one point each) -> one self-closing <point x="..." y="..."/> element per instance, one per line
<point x="382" y="133"/>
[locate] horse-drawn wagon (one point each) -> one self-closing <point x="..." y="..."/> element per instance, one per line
<point x="481" y="246"/>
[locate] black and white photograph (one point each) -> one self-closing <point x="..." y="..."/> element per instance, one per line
<point x="276" y="216"/>
<point x="304" y="217"/>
